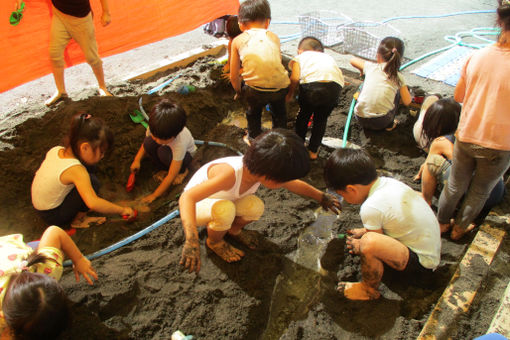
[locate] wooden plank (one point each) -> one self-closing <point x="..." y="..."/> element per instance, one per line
<point x="501" y="322"/>
<point x="466" y="280"/>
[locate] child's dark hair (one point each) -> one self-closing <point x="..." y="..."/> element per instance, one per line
<point x="311" y="44"/>
<point x="93" y="130"/>
<point x="232" y="27"/>
<point x="35" y="305"/>
<point x="441" y="118"/>
<point x="348" y="166"/>
<point x="279" y="155"/>
<point x="391" y="50"/>
<point x="504" y="15"/>
<point x="254" y="10"/>
<point x="166" y="119"/>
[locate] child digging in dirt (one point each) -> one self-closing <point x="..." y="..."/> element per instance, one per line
<point x="320" y="81"/>
<point x="257" y="50"/>
<point x="64" y="187"/>
<point x="33" y="304"/>
<point x="399" y="229"/>
<point x="170" y="145"/>
<point x="221" y="194"/>
<point x="384" y="87"/>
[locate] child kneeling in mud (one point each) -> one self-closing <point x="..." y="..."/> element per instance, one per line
<point x="399" y="230"/>
<point x="221" y="194"/>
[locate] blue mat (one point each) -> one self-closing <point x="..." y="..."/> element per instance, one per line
<point x="447" y="66"/>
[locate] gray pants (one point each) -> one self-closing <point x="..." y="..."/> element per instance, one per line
<point x="475" y="172"/>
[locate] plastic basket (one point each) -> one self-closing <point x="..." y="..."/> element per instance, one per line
<point x="324" y="25"/>
<point x="363" y="38"/>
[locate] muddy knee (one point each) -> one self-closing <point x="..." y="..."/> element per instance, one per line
<point x="250" y="208"/>
<point x="222" y="215"/>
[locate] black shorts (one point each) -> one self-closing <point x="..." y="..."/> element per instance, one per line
<point x="414" y="266"/>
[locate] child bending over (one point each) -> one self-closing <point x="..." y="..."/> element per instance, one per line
<point x="257" y="51"/>
<point x="33" y="304"/>
<point x="320" y="81"/>
<point x="221" y="194"/>
<point x="399" y="229"/>
<point x="169" y="143"/>
<point x="384" y="87"/>
<point x="64" y="187"/>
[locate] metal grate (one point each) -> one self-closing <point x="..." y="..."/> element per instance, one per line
<point x="363" y="38"/>
<point x="324" y="25"/>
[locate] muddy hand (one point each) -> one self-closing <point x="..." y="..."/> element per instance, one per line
<point x="353" y="245"/>
<point x="330" y="202"/>
<point x="357" y="233"/>
<point x="191" y="256"/>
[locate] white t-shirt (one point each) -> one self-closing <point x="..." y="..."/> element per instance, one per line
<point x="404" y="215"/>
<point x="48" y="191"/>
<point x="318" y="66"/>
<point x="181" y="144"/>
<point x="377" y="96"/>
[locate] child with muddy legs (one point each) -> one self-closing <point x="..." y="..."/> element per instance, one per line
<point x="33" y="304"/>
<point x="221" y="194"/>
<point x="383" y="88"/>
<point x="399" y="229"/>
<point x="257" y="51"/>
<point x="170" y="145"/>
<point x="320" y="81"/>
<point x="65" y="186"/>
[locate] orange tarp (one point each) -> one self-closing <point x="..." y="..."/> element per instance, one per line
<point x="24" y="52"/>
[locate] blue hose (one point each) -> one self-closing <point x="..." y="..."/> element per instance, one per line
<point x="162" y="85"/>
<point x="129" y="239"/>
<point x="201" y="142"/>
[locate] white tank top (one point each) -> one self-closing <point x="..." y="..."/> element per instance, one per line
<point x="262" y="62"/>
<point x="232" y="194"/>
<point x="48" y="192"/>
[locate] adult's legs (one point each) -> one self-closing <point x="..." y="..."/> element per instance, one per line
<point x="374" y="249"/>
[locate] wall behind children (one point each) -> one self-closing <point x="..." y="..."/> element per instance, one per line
<point x="24" y="47"/>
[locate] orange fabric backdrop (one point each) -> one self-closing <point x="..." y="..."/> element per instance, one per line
<point x="24" y="52"/>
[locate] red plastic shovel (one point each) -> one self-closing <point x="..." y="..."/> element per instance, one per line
<point x="132" y="218"/>
<point x="131" y="182"/>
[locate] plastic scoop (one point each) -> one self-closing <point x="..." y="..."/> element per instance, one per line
<point x="131" y="182"/>
<point x="138" y="117"/>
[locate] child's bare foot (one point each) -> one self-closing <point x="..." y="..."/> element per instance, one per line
<point x="160" y="176"/>
<point x="357" y="291"/>
<point x="395" y="124"/>
<point x="457" y="232"/>
<point x="87" y="221"/>
<point x="103" y="92"/>
<point x="247" y="237"/>
<point x="180" y="177"/>
<point x="226" y="251"/>
<point x="313" y="155"/>
<point x="57" y="96"/>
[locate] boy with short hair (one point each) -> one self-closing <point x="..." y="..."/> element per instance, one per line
<point x="400" y="229"/>
<point x="169" y="143"/>
<point x="257" y="51"/>
<point x="221" y="194"/>
<point x="320" y="81"/>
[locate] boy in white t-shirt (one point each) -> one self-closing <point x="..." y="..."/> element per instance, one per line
<point x="320" y="82"/>
<point x="169" y="143"/>
<point x="399" y="230"/>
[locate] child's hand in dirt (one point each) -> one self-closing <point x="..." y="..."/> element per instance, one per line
<point x="84" y="267"/>
<point x="190" y="258"/>
<point x="330" y="202"/>
<point x="357" y="233"/>
<point x="128" y="213"/>
<point x="135" y="166"/>
<point x="148" y="199"/>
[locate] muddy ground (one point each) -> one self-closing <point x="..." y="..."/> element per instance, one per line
<point x="143" y="293"/>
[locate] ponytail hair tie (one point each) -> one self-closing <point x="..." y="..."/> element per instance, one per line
<point x="394" y="50"/>
<point x="85" y="116"/>
<point x="23" y="266"/>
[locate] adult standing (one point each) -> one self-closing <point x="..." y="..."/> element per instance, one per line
<point x="481" y="152"/>
<point x="73" y="19"/>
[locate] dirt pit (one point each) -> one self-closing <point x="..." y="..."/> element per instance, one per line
<point x="142" y="291"/>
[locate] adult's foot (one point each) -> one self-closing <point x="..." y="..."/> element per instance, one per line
<point x="357" y="291"/>
<point x="444" y="227"/>
<point x="457" y="232"/>
<point x="180" y="177"/>
<point x="226" y="251"/>
<point x="247" y="237"/>
<point x="56" y="97"/>
<point x="103" y="92"/>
